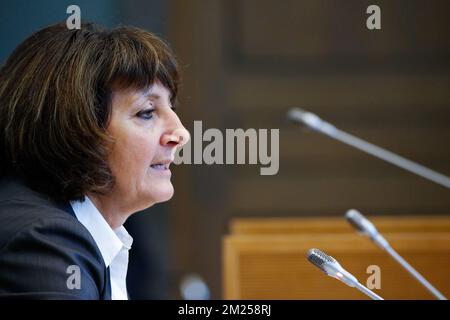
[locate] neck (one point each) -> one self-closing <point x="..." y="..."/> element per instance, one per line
<point x="114" y="215"/>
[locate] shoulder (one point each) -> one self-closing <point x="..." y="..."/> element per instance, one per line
<point x="22" y="208"/>
<point x="42" y="246"/>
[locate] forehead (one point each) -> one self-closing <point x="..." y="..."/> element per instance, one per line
<point x="157" y="91"/>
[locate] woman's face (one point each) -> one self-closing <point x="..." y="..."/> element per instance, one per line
<point x="147" y="132"/>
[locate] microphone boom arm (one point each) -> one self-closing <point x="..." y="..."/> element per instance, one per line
<point x="314" y="122"/>
<point x="367" y="228"/>
<point x="368" y="292"/>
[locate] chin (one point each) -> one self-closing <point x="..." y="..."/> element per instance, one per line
<point x="162" y="194"/>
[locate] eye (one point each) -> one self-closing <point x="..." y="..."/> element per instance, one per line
<point x="146" y="114"/>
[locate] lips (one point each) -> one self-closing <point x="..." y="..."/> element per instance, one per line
<point x="161" y="164"/>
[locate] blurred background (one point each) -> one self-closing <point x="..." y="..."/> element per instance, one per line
<point x="245" y="63"/>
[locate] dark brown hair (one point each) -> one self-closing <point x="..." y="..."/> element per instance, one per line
<point x="55" y="92"/>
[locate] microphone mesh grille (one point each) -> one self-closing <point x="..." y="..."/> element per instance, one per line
<point x="355" y="224"/>
<point x="355" y="219"/>
<point x="317" y="257"/>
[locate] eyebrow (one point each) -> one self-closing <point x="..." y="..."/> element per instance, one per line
<point x="156" y="96"/>
<point x="153" y="95"/>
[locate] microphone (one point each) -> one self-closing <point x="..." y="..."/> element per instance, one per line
<point x="367" y="228"/>
<point x="192" y="287"/>
<point x="332" y="268"/>
<point x="314" y="122"/>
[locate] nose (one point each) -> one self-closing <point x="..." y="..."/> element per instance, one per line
<point x="175" y="134"/>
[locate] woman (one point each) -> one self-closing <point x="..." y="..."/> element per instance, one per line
<point x="88" y="134"/>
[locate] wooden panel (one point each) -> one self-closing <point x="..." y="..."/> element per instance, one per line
<point x="332" y="35"/>
<point x="302" y="196"/>
<point x="284" y="226"/>
<point x="247" y="62"/>
<point x="348" y="93"/>
<point x="275" y="266"/>
<point x="430" y="145"/>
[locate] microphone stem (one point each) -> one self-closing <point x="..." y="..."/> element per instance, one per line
<point x="386" y="155"/>
<point x="414" y="273"/>
<point x="368" y="292"/>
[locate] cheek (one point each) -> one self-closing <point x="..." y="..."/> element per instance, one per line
<point x="133" y="152"/>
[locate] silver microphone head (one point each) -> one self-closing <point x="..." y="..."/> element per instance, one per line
<point x="319" y="258"/>
<point x="359" y="222"/>
<point x="311" y="120"/>
<point x="193" y="287"/>
<point x="364" y="226"/>
<point x="330" y="266"/>
<point x="296" y="114"/>
<point x="302" y="116"/>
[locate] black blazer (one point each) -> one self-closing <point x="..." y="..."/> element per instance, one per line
<point x="39" y="240"/>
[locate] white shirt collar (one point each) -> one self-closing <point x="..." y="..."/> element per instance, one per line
<point x="109" y="241"/>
